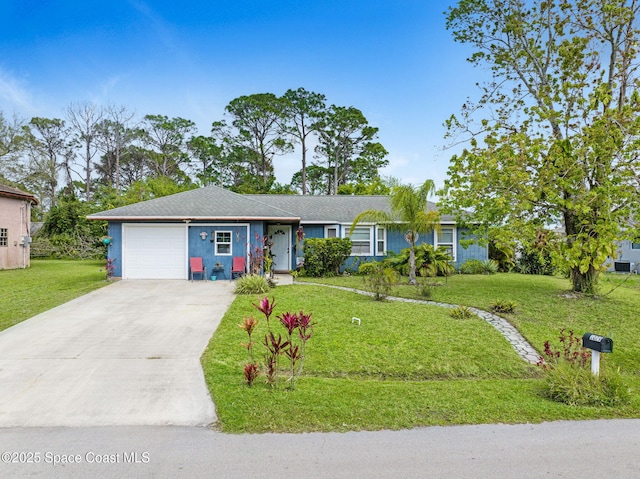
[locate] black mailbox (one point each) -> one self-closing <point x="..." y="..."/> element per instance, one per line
<point x="597" y="343"/>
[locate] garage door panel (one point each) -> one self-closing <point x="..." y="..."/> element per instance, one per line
<point x="155" y="252"/>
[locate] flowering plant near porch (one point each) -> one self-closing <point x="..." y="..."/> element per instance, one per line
<point x="299" y="330"/>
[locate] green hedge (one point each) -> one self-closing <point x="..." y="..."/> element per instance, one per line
<point x="325" y="256"/>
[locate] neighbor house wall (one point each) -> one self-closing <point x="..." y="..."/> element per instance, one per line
<point x="15" y="215"/>
<point x="626" y="253"/>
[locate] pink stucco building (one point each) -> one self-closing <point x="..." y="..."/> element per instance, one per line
<point x="15" y="227"/>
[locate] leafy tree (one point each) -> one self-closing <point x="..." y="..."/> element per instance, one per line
<point x="208" y="163"/>
<point x="134" y="166"/>
<point x="49" y="152"/>
<point x="154" y="187"/>
<point x="408" y="213"/>
<point x="11" y="148"/>
<point x="68" y="217"/>
<point x="10" y="143"/>
<point x="316" y="183"/>
<point x="257" y="121"/>
<point x="377" y="186"/>
<point x="347" y="147"/>
<point x="167" y="139"/>
<point x="302" y="110"/>
<point x="558" y="137"/>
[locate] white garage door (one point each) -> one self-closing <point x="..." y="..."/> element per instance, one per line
<point x="154" y="252"/>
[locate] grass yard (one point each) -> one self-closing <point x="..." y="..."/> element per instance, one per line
<point x="410" y="365"/>
<point x="45" y="285"/>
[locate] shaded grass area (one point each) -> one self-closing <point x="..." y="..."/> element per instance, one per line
<point x="407" y="365"/>
<point x="45" y="285"/>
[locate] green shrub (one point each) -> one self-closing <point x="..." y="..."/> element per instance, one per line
<point x="579" y="387"/>
<point x="568" y="378"/>
<point x="490" y="266"/>
<point x="503" y="306"/>
<point x="429" y="261"/>
<point x="425" y="290"/>
<point x="534" y="261"/>
<point x="380" y="281"/>
<point x="461" y="312"/>
<point x="471" y="266"/>
<point x="370" y="267"/>
<point x="325" y="256"/>
<point x="252" y="284"/>
<point x="476" y="266"/>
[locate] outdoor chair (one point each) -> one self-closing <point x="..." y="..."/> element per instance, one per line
<point x="238" y="267"/>
<point x="196" y="266"/>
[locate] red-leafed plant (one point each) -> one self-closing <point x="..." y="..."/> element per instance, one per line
<point x="299" y="330"/>
<point x="251" y="369"/>
<point x="275" y="347"/>
<point x="266" y="307"/>
<point x="572" y="352"/>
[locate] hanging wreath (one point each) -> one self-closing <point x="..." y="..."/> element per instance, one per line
<point x="408" y="235"/>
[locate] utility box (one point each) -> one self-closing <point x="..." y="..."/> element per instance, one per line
<point x="26" y="240"/>
<point x="598" y="343"/>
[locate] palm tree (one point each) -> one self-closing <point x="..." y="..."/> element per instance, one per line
<point x="408" y="213"/>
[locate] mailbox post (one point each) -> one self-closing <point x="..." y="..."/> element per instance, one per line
<point x="597" y="344"/>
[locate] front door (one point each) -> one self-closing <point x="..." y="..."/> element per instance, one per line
<point x="280" y="236"/>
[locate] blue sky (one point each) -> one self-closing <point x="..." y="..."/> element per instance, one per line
<point x="392" y="59"/>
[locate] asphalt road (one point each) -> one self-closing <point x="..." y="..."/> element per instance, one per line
<point x="583" y="449"/>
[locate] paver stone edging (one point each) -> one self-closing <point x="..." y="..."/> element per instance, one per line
<point x="511" y="334"/>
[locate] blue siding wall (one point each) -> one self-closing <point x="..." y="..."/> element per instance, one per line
<point x="114" y="251"/>
<point x="474" y="251"/>
<point x="313" y="231"/>
<point x="395" y="242"/>
<point x="206" y="248"/>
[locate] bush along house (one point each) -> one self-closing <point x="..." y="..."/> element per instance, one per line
<point x="155" y="239"/>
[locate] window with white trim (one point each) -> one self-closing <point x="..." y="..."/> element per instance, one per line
<point x="361" y="241"/>
<point x="381" y="241"/>
<point x="331" y="231"/>
<point x="223" y="243"/>
<point x="4" y="237"/>
<point x="446" y="239"/>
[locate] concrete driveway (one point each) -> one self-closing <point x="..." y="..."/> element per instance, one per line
<point x="126" y="354"/>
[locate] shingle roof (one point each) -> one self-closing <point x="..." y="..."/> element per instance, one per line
<point x="11" y="192"/>
<point x="331" y="208"/>
<point x="208" y="203"/>
<point x="215" y="203"/>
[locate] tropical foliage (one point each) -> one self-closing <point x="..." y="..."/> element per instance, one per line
<point x="430" y="261"/>
<point x="408" y="213"/>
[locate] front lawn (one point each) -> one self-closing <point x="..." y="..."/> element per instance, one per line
<point x="45" y="285"/>
<point x="410" y="365"/>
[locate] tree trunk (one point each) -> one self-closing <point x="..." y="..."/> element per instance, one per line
<point x="580" y="282"/>
<point x="304" y="166"/>
<point x="412" y="262"/>
<point x="584" y="282"/>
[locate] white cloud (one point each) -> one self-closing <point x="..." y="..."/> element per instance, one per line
<point x="14" y="97"/>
